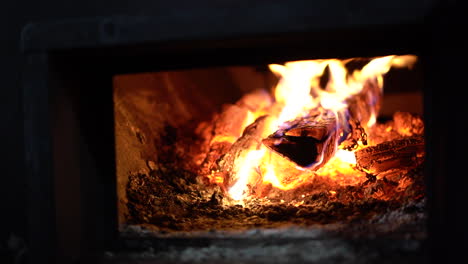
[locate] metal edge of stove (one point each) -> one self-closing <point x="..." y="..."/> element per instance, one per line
<point x="251" y="19"/>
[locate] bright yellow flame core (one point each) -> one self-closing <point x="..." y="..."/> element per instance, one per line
<point x="245" y="167"/>
<point x="297" y="92"/>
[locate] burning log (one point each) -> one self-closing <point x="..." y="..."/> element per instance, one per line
<point x="226" y="127"/>
<point x="365" y="105"/>
<point x="250" y="140"/>
<point x="308" y="141"/>
<point x="311" y="141"/>
<point x="402" y="154"/>
<point x="221" y="133"/>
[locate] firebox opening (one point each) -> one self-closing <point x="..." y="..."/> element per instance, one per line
<point x="330" y="144"/>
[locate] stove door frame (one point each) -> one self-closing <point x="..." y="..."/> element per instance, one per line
<point x="68" y="111"/>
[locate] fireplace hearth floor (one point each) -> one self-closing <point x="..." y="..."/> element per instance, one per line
<point x="399" y="223"/>
<point x="186" y="206"/>
<point x="396" y="236"/>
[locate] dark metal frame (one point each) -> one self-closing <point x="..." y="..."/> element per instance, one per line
<point x="68" y="96"/>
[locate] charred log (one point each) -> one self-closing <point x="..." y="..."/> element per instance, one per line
<point x="309" y="142"/>
<point x="220" y="133"/>
<point x="402" y="154"/>
<point x="226" y="127"/>
<point x="365" y="105"/>
<point x="361" y="112"/>
<point x="355" y="135"/>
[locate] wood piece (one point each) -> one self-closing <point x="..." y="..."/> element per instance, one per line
<point x="401" y="154"/>
<point x="251" y="139"/>
<point x="362" y="107"/>
<point x="224" y="129"/>
<point x="220" y="134"/>
<point x="230" y="121"/>
<point x="354" y="135"/>
<point x="366" y="104"/>
<point x="309" y="142"/>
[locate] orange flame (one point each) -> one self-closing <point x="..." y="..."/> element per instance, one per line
<point x="296" y="94"/>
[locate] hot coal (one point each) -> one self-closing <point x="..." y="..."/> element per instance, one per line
<point x="172" y="196"/>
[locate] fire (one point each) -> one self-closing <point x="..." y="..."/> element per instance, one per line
<point x="299" y="94"/>
<point x="245" y="166"/>
<point x="216" y="177"/>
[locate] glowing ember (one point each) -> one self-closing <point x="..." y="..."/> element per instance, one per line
<point x="216" y="177"/>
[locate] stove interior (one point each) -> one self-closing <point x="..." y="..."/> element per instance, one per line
<point x="288" y="147"/>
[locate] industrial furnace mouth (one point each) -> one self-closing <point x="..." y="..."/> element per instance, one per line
<point x="312" y="143"/>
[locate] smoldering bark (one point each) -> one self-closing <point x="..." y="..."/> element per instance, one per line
<point x="400" y="154"/>
<point x="228" y="126"/>
<point x="224" y="127"/>
<point x="307" y="141"/>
